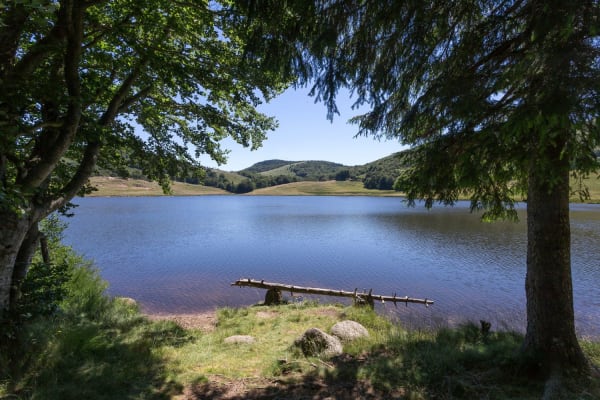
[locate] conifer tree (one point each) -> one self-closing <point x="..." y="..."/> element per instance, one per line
<point x="498" y="100"/>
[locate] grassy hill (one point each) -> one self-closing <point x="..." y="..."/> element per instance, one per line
<point x="281" y="177"/>
<point x="300" y="170"/>
<point x="111" y="186"/>
<point x="325" y="188"/>
<point x="268" y="165"/>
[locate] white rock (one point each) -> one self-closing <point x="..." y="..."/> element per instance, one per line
<point x="239" y="339"/>
<point x="347" y="331"/>
<point x="315" y="342"/>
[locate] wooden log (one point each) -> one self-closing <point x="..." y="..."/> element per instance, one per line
<point x="366" y="297"/>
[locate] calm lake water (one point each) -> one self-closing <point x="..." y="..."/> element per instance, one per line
<point x="180" y="254"/>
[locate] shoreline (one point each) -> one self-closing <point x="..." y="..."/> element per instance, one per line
<point x="110" y="187"/>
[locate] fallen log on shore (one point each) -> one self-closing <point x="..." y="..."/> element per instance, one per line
<point x="366" y="297"/>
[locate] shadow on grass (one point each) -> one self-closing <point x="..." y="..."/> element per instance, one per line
<point x="99" y="359"/>
<point x="456" y="363"/>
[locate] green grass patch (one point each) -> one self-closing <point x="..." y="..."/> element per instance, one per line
<point x="326" y="188"/>
<point x="111" y="186"/>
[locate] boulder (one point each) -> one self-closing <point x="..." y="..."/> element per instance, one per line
<point x="127" y="301"/>
<point x="348" y="330"/>
<point x="239" y="339"/>
<point x="273" y="297"/>
<point x="315" y="342"/>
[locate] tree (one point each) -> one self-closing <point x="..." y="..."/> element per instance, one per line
<point x="85" y="83"/>
<point x="497" y="98"/>
<point x="342" y="175"/>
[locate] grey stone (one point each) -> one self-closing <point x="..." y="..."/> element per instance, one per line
<point x="315" y="342"/>
<point x="239" y="339"/>
<point x="348" y="330"/>
<point x="127" y="301"/>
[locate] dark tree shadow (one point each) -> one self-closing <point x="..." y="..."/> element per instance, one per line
<point x="461" y="363"/>
<point x="94" y="360"/>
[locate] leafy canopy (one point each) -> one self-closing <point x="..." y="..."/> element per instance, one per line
<point x="151" y="83"/>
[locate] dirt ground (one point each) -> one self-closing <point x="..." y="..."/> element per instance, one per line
<point x="205" y="321"/>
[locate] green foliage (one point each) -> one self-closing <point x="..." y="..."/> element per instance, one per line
<point x="342" y="175"/>
<point x="149" y="84"/>
<point x="316" y="170"/>
<point x="43" y="289"/>
<point x="476" y="88"/>
<point x="274" y="172"/>
<point x="382" y="174"/>
<point x="268" y="165"/>
<point x="93" y="346"/>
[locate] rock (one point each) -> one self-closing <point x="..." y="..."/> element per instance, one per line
<point x="347" y="331"/>
<point x="127" y="301"/>
<point x="315" y="342"/>
<point x="239" y="339"/>
<point x="273" y="297"/>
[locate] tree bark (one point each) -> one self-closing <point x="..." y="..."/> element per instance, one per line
<point x="550" y="338"/>
<point x="22" y="262"/>
<point x="13" y="230"/>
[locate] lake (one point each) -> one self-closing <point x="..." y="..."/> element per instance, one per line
<point x="180" y="254"/>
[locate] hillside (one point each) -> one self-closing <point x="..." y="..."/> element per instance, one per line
<point x="324" y="188"/>
<point x="111" y="186"/>
<point x="267" y="165"/>
<point x="301" y="170"/>
<point x="283" y="177"/>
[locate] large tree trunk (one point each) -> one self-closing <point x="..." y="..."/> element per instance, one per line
<point x="13" y="230"/>
<point x="550" y="336"/>
<point x="22" y="262"/>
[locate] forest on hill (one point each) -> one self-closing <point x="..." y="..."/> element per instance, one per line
<point x="380" y="174"/>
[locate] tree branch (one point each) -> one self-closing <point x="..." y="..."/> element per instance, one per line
<point x="85" y="170"/>
<point x="73" y="15"/>
<point x="136" y="97"/>
<point x="14" y="21"/>
<point x="116" y="102"/>
<point x="90" y="157"/>
<point x="42" y="125"/>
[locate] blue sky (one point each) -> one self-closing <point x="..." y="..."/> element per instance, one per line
<point x="304" y="133"/>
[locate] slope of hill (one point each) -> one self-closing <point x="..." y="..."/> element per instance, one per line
<point x="301" y="170"/>
<point x="267" y="165"/>
<point x="324" y="188"/>
<point x="111" y="186"/>
<point x="381" y="174"/>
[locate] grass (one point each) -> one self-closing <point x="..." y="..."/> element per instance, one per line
<point x="326" y="188"/>
<point x="592" y="184"/>
<point x="110" y="186"/>
<point x="116" y="353"/>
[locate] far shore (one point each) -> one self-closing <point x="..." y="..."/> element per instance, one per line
<point x="121" y="187"/>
